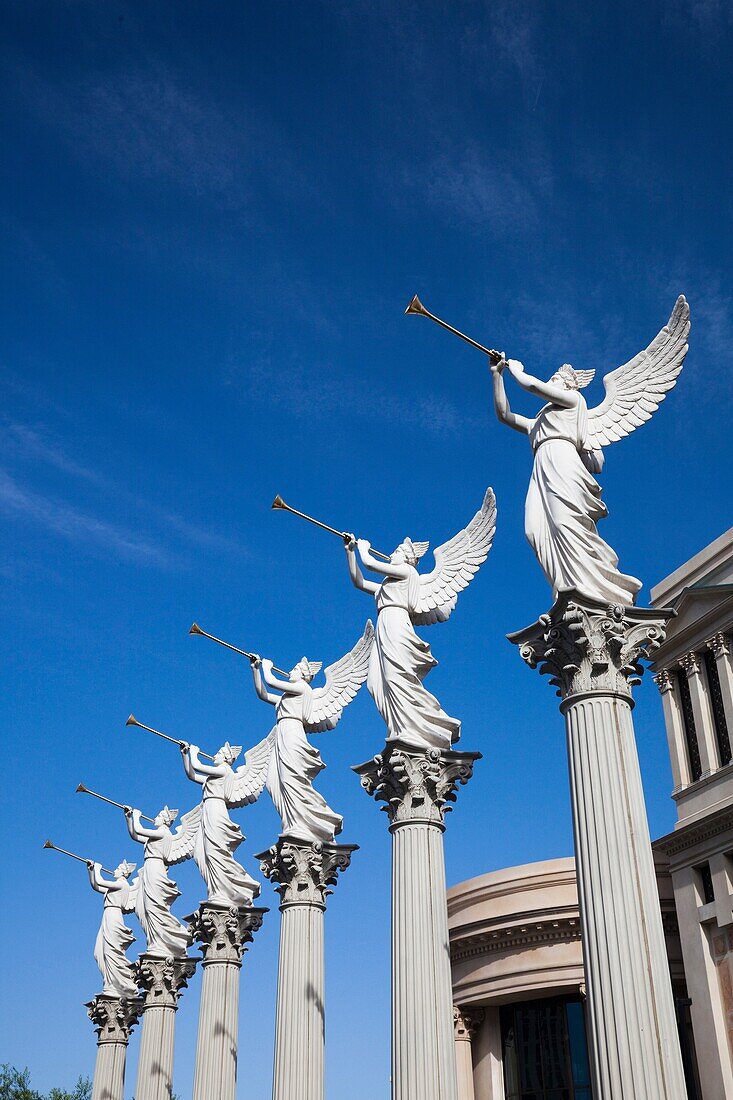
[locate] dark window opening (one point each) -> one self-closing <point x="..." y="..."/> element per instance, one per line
<point x="688" y="718"/>
<point x="716" y="700"/>
<point x="706" y="882"/>
<point x="545" y="1051"/>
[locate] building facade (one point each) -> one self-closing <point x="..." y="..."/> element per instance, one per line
<point x="516" y="950"/>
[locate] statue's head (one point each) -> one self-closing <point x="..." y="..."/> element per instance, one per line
<point x="305" y="670"/>
<point x="408" y="552"/>
<point x="125" y="869"/>
<point x="572" y="379"/>
<point x="227" y="754"/>
<point x="166" y="816"/>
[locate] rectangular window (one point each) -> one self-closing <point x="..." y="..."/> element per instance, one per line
<point x="716" y="701"/>
<point x="688" y="720"/>
<point x="545" y="1051"/>
<point x="706" y="883"/>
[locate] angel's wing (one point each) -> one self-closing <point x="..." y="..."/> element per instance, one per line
<point x="636" y="390"/>
<point x="246" y="784"/>
<point x="183" y="840"/>
<point x="343" y="680"/>
<point x="456" y="563"/>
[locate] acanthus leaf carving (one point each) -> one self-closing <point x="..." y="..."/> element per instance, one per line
<point x="416" y="784"/>
<point x="303" y="870"/>
<point x="114" y="1017"/>
<point x="224" y="931"/>
<point x="584" y="645"/>
<point x="163" y="979"/>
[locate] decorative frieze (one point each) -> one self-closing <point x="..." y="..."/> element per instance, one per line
<point x="416" y="784"/>
<point x="224" y="931"/>
<point x="114" y="1018"/>
<point x="303" y="871"/>
<point x="587" y="646"/>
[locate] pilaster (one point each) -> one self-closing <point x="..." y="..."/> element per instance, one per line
<point x="673" y="724"/>
<point x="691" y="664"/>
<point x="466" y="1023"/>
<point x="720" y="646"/>
<point x="592" y="653"/>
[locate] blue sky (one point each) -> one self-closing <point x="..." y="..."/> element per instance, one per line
<point x="213" y="216"/>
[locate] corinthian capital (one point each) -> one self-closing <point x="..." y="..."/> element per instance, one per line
<point x="163" y="979"/>
<point x="466" y="1022"/>
<point x="223" y="931"/>
<point x="691" y="663"/>
<point x="113" y="1017"/>
<point x="416" y="784"/>
<point x="584" y="645"/>
<point x="303" y="870"/>
<point x="719" y="644"/>
<point x="664" y="681"/>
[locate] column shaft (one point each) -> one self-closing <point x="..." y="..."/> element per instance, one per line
<point x="113" y="1019"/>
<point x="222" y="933"/>
<point x="218" y="1035"/>
<point x="423" y="1047"/>
<point x="300" y="1022"/>
<point x="488" y="1068"/>
<point x="155" y="1061"/>
<point x="416" y="786"/>
<point x="633" y="1036"/>
<point x="303" y="870"/>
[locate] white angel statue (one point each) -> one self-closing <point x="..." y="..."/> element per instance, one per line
<point x="564" y="502"/>
<point x="114" y="937"/>
<point x="217" y="836"/>
<point x="400" y="660"/>
<point x="300" y="708"/>
<point x="156" y="892"/>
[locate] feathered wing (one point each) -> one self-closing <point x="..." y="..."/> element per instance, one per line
<point x="456" y="564"/>
<point x="635" y="391"/>
<point x="246" y="784"/>
<point x="343" y="680"/>
<point x="182" y="842"/>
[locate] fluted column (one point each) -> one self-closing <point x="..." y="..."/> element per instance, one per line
<point x="162" y="980"/>
<point x="222" y="933"/>
<point x="416" y="785"/>
<point x="303" y="872"/>
<point x="113" y="1020"/>
<point x="466" y="1022"/>
<point x="592" y="652"/>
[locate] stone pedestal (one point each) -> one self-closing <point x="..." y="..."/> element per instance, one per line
<point x="113" y="1020"/>
<point x="416" y="786"/>
<point x="591" y="652"/>
<point x="303" y="872"/>
<point x="222" y="933"/>
<point x="162" y="981"/>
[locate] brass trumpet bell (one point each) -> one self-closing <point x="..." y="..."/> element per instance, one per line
<point x="416" y="306"/>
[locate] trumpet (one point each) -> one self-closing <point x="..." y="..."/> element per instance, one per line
<point x="73" y="855"/>
<point x="416" y="307"/>
<point x="196" y="629"/>
<point x="132" y="721"/>
<point x="81" y="789"/>
<point x="279" y="503"/>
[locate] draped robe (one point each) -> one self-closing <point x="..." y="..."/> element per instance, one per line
<point x="226" y="880"/>
<point x="294" y="765"/>
<point x="398" y="663"/>
<point x="113" y="939"/>
<point x="156" y="893"/>
<point x="563" y="507"/>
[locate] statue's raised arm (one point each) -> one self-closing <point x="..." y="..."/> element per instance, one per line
<point x="563" y="504"/>
<point x="156" y="892"/>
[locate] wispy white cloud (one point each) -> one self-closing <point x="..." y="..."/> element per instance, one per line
<point x="294" y="388"/>
<point x="77" y="526"/>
